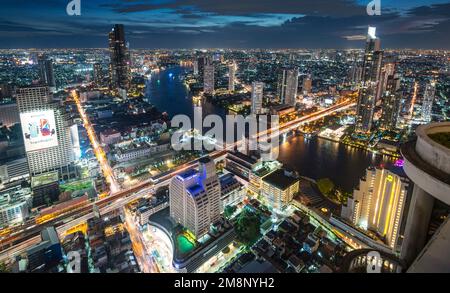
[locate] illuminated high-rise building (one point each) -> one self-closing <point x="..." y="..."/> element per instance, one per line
<point x="257" y="97"/>
<point x="98" y="74"/>
<point x="231" y="76"/>
<point x="208" y="78"/>
<point x="380" y="203"/>
<point x="46" y="73"/>
<point x="46" y="131"/>
<point x="119" y="59"/>
<point x="288" y="86"/>
<point x="391" y="103"/>
<point x="371" y="71"/>
<point x="427" y="102"/>
<point x="307" y="85"/>
<point x="195" y="198"/>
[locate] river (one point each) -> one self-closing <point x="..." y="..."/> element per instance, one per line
<point x="315" y="158"/>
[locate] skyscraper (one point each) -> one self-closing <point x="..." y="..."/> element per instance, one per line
<point x="46" y="131"/>
<point x="231" y="76"/>
<point x="257" y="97"/>
<point x="370" y="81"/>
<point x="307" y="84"/>
<point x="98" y="74"/>
<point x="288" y="85"/>
<point x="427" y="102"/>
<point x="119" y="62"/>
<point x="391" y="102"/>
<point x="379" y="204"/>
<point x="208" y="78"/>
<point x="46" y="73"/>
<point x="195" y="198"/>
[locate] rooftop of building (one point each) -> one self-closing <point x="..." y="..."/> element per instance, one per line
<point x="279" y="179"/>
<point x="195" y="190"/>
<point x="187" y="174"/>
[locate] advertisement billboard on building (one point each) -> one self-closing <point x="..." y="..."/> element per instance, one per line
<point x="39" y="130"/>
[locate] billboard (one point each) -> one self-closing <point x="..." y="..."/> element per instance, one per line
<point x="39" y="130"/>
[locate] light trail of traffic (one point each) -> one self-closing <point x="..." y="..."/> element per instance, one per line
<point x="98" y="150"/>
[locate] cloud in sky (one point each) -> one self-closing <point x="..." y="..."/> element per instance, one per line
<point x="225" y="23"/>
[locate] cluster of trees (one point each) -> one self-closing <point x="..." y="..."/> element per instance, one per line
<point x="247" y="227"/>
<point x="327" y="188"/>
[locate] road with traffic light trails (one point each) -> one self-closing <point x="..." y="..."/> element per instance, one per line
<point x="98" y="150"/>
<point x="21" y="238"/>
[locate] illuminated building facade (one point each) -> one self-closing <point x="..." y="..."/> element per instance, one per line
<point x="46" y="73"/>
<point x="208" y="78"/>
<point x="257" y="97"/>
<point x="59" y="158"/>
<point x="370" y="81"/>
<point x="195" y="198"/>
<point x="231" y="76"/>
<point x="279" y="188"/>
<point x="288" y="86"/>
<point x="428" y="99"/>
<point x="379" y="205"/>
<point x="391" y="103"/>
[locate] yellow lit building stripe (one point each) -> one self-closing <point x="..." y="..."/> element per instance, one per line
<point x="391" y="200"/>
<point x="378" y="196"/>
<point x="380" y="207"/>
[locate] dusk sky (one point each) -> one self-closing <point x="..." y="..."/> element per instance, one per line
<point x="225" y="23"/>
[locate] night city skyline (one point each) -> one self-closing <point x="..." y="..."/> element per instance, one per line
<point x="225" y="24"/>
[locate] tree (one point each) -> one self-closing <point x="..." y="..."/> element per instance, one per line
<point x="3" y="268"/>
<point x="229" y="211"/>
<point x="247" y="227"/>
<point x="325" y="185"/>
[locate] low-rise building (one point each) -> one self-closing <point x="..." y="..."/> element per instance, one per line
<point x="279" y="189"/>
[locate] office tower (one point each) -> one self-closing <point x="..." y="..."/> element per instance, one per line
<point x="195" y="67"/>
<point x="201" y="61"/>
<point x="278" y="188"/>
<point x="9" y="115"/>
<point x="387" y="71"/>
<point x="379" y="204"/>
<point x="208" y="78"/>
<point x="391" y="103"/>
<point x="355" y="73"/>
<point x="307" y="85"/>
<point x="98" y="74"/>
<point x="119" y="63"/>
<point x="427" y="102"/>
<point x="257" y="97"/>
<point x="231" y="76"/>
<point x="46" y="132"/>
<point x="46" y="74"/>
<point x="427" y="164"/>
<point x="287" y="86"/>
<point x="370" y="81"/>
<point x="195" y="198"/>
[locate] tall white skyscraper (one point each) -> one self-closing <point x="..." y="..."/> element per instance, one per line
<point x="195" y="198"/>
<point x="288" y="86"/>
<point x="427" y="102"/>
<point x="232" y="76"/>
<point x="257" y="97"/>
<point x="369" y="91"/>
<point x="46" y="132"/>
<point x="208" y="79"/>
<point x="379" y="204"/>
